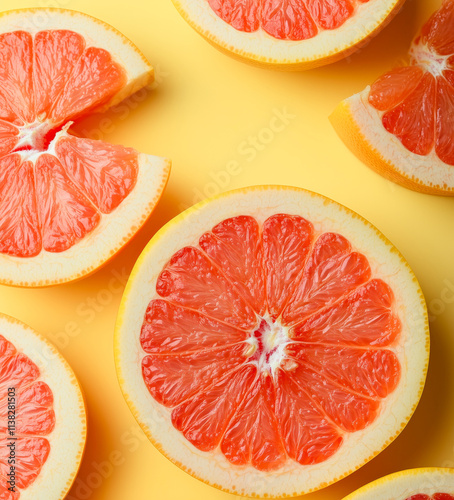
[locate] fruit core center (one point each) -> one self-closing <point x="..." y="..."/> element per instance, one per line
<point x="268" y="345"/>
<point x="429" y="60"/>
<point x="36" y="136"/>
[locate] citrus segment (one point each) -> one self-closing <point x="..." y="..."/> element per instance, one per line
<point x="67" y="204"/>
<point x="42" y="429"/>
<point x="56" y="54"/>
<point x="8" y="137"/>
<point x="365" y="318"/>
<point x="66" y="215"/>
<point x="16" y="77"/>
<point x="309" y="437"/>
<point x="31" y="455"/>
<point x="332" y="270"/>
<point x="402" y="125"/>
<point x="286" y="20"/>
<point x="105" y="173"/>
<point x="171" y="329"/>
<point x="172" y="379"/>
<point x="252" y="436"/>
<point x="242" y="15"/>
<point x="204" y="418"/>
<point x="20" y="234"/>
<point x="349" y="411"/>
<point x="94" y="79"/>
<point x="444" y="117"/>
<point x="192" y="280"/>
<point x="393" y="87"/>
<point x="413" y="121"/>
<point x="373" y="373"/>
<point x="286" y="243"/>
<point x="288" y="34"/>
<point x="437" y="32"/>
<point x="236" y="247"/>
<point x="257" y="392"/>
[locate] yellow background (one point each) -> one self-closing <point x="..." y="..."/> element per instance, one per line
<point x="201" y="112"/>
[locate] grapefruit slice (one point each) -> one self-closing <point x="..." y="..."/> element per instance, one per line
<point x="42" y="413"/>
<point x="415" y="484"/>
<point x="67" y="204"/>
<point x="270" y="341"/>
<point x="402" y="126"/>
<point x="283" y="34"/>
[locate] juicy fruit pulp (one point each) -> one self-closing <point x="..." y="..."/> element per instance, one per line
<point x="32" y="407"/>
<point x="54" y="187"/>
<point x="283" y="19"/>
<point x="437" y="496"/>
<point x="417" y="101"/>
<point x="270" y="342"/>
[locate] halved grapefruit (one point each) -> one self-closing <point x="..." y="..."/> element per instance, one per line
<point x="42" y="413"/>
<point x="67" y="204"/>
<point x="270" y="341"/>
<point x="415" y="484"/>
<point x="402" y="126"/>
<point x="288" y="34"/>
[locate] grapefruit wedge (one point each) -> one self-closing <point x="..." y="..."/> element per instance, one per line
<point x="42" y="413"/>
<point x="283" y="34"/>
<point x="67" y="204"/>
<point x="415" y="484"/>
<point x="402" y="126"/>
<point x="270" y="341"/>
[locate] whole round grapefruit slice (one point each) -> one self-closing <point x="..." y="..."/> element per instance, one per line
<point x="42" y="413"/>
<point x="402" y="126"/>
<point x="288" y="34"/>
<point x="415" y="484"/>
<point x="271" y="341"/>
<point x="67" y="204"/>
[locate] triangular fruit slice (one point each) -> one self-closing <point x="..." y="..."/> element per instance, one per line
<point x="414" y="484"/>
<point x="403" y="125"/>
<point x="42" y="413"/>
<point x="270" y="341"/>
<point x="67" y="204"/>
<point x="288" y="34"/>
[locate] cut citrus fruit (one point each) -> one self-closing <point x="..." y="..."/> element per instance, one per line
<point x="285" y="34"/>
<point x="67" y="204"/>
<point x="415" y="484"/>
<point x="270" y="341"/>
<point x="402" y="126"/>
<point x="42" y="414"/>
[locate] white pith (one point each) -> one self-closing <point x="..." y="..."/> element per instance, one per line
<point x="67" y="440"/>
<point x="32" y="135"/>
<point x="261" y="47"/>
<point x="429" y="170"/>
<point x="117" y="228"/>
<point x="402" y="485"/>
<point x="428" y="60"/>
<point x="327" y="216"/>
<point x="275" y="338"/>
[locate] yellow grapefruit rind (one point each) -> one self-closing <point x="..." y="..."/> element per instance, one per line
<point x="359" y="126"/>
<point x="402" y="485"/>
<point x="263" y="50"/>
<point x="213" y="468"/>
<point x="116" y="229"/>
<point x="67" y="440"/>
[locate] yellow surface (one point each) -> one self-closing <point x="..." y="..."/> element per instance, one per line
<point x="205" y="113"/>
